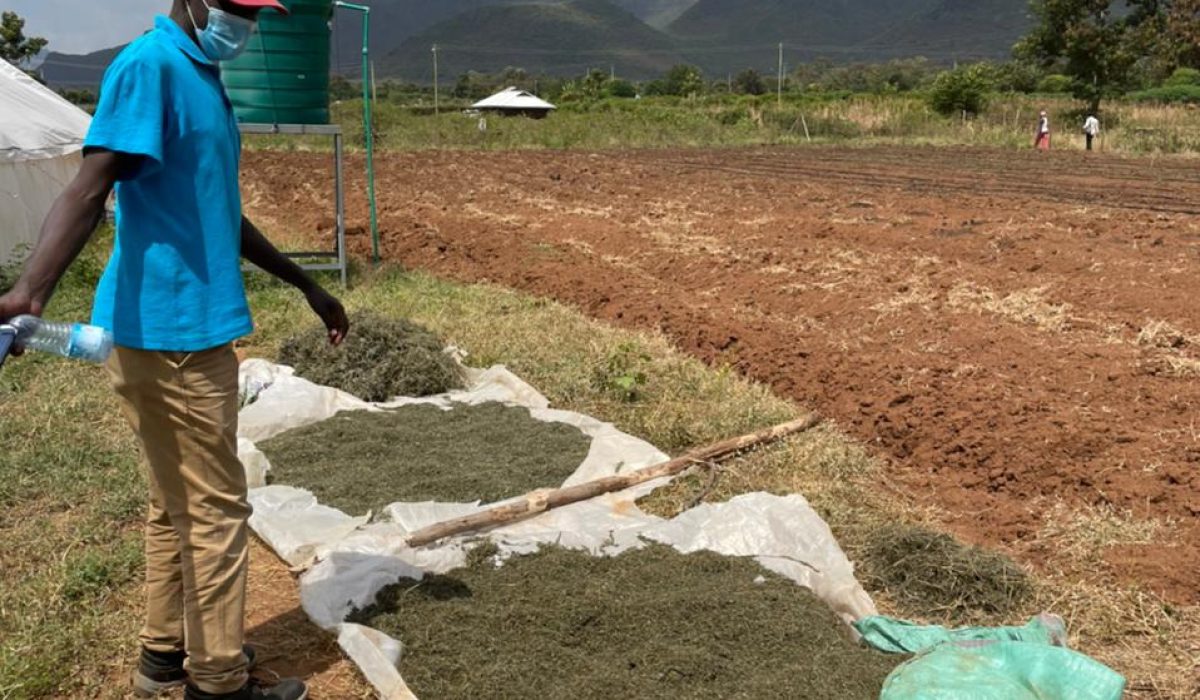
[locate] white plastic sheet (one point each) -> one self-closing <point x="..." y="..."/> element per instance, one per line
<point x="351" y="559"/>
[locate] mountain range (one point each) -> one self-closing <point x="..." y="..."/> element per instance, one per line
<point x="640" y="38"/>
<point x="563" y="38"/>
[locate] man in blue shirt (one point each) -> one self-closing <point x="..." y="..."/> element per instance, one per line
<point x="165" y="138"/>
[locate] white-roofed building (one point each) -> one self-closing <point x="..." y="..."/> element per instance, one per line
<point x="516" y="102"/>
<point x="41" y="136"/>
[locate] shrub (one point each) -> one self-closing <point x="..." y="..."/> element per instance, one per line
<point x="683" y="81"/>
<point x="749" y="82"/>
<point x="1169" y="94"/>
<point x="621" y="88"/>
<point x="963" y="89"/>
<point x="1183" y="76"/>
<point x="1015" y="76"/>
<point x="1055" y="84"/>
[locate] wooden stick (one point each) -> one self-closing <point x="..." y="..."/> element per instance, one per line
<point x="547" y="499"/>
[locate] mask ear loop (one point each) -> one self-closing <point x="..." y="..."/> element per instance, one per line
<point x="188" y="5"/>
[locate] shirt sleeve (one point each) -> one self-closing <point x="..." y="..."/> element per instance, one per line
<point x="130" y="115"/>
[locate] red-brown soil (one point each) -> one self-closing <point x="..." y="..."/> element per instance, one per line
<point x="1008" y="330"/>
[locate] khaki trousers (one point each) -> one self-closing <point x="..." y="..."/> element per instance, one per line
<point x="183" y="407"/>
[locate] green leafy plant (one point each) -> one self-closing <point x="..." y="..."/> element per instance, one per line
<point x="622" y="374"/>
<point x="963" y="89"/>
<point x="1055" y="83"/>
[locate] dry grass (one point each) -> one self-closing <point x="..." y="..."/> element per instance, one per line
<point x="1083" y="533"/>
<point x="1160" y="334"/>
<point x="1026" y="306"/>
<point x="1181" y="367"/>
<point x="1156" y="646"/>
<point x="915" y="292"/>
<point x="1167" y="350"/>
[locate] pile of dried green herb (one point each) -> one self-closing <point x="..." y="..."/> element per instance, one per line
<point x="381" y="359"/>
<point x="933" y="574"/>
<point x="651" y="623"/>
<point x="360" y="461"/>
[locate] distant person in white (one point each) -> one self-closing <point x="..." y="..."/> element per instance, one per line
<point x="1091" y="129"/>
<point x="1041" y="139"/>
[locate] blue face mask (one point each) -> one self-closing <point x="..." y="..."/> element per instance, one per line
<point x="225" y="36"/>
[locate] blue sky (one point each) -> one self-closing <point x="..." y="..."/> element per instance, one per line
<point x="73" y="26"/>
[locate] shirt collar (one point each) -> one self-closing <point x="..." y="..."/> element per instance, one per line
<point x="181" y="40"/>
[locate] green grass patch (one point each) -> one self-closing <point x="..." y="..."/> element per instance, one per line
<point x="71" y="498"/>
<point x="651" y="623"/>
<point x="96" y="572"/>
<point x="360" y="461"/>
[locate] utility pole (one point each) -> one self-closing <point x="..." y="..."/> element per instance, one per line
<point x="436" y="106"/>
<point x="779" y="94"/>
<point x="612" y="71"/>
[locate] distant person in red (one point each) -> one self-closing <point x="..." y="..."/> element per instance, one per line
<point x="1041" y="140"/>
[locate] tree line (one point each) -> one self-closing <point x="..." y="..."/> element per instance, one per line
<point x="1094" y="50"/>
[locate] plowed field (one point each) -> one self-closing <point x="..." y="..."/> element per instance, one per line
<point x="1015" y="333"/>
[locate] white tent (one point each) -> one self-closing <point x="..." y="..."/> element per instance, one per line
<point x="41" y="136"/>
<point x="515" y="101"/>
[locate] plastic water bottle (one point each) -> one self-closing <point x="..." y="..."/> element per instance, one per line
<point x="75" y="340"/>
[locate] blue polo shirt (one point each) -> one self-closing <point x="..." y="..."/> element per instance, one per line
<point x="174" y="281"/>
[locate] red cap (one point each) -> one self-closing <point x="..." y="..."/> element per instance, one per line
<point x="264" y="4"/>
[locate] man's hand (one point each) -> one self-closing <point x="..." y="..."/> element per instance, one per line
<point x="331" y="312"/>
<point x="17" y="301"/>
<point x="258" y="250"/>
<point x="14" y="303"/>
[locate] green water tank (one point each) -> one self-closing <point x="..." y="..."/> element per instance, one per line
<point x="283" y="76"/>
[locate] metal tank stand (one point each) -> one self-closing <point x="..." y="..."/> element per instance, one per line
<point x="338" y="255"/>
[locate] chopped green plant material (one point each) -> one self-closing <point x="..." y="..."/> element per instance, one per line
<point x="651" y="623"/>
<point x="381" y="359"/>
<point x="360" y="461"/>
<point x="931" y="573"/>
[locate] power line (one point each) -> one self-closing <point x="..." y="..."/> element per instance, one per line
<point x="706" y="50"/>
